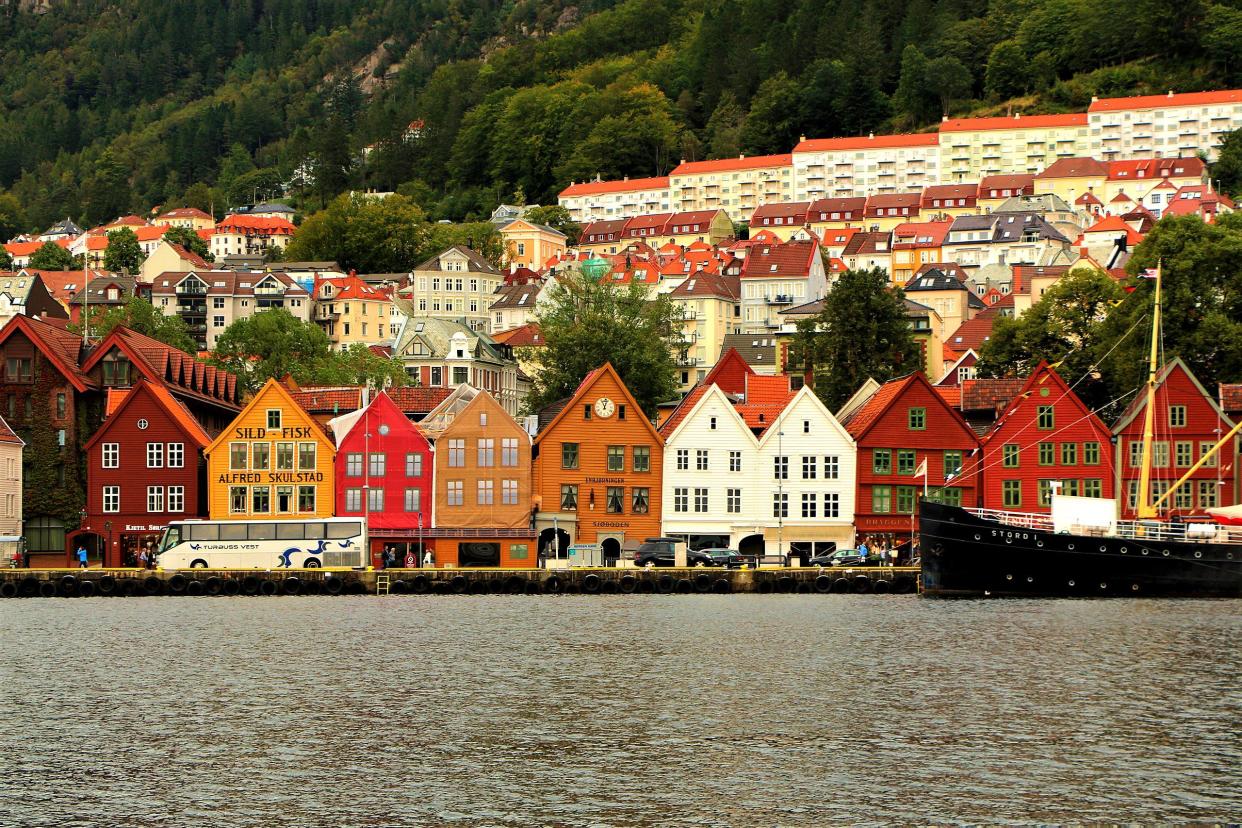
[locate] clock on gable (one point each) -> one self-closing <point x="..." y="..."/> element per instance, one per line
<point x="605" y="407"/>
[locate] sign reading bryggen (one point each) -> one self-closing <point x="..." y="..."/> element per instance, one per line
<point x="272" y="462"/>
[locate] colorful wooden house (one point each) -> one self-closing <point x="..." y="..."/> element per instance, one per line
<point x="598" y="469"/>
<point x="1187" y="424"/>
<point x="384" y="467"/>
<point x="904" y="428"/>
<point x="273" y="461"/>
<point x="1045" y="436"/>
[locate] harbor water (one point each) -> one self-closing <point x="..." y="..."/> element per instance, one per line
<point x="618" y="710"/>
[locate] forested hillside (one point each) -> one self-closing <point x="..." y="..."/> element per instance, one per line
<point x="119" y="106"/>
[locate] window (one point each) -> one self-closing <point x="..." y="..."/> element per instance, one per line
<point x="155" y="455"/>
<point x="780" y="467"/>
<point x="735" y="461"/>
<point x="353" y="500"/>
<point x="950" y="496"/>
<point x="509" y="492"/>
<point x="377" y="463"/>
<point x="306" y="456"/>
<point x="621" y="412"/>
<point x="952" y="464"/>
<point x="176" y="498"/>
<point x="569" y="498"/>
<point x="284" y="456"/>
<point x="712" y="424"/>
<point x="681" y="499"/>
<point x="413" y="464"/>
<point x="642" y="458"/>
<point x="1136" y="454"/>
<point x="810" y="466"/>
<point x="217" y="302"/>
<point x="1090" y="454"/>
<point x="917" y="419"/>
<point x="569" y="455"/>
<point x="1069" y="454"/>
<point x="260" y="500"/>
<point x="700" y="460"/>
<point x="832" y="505"/>
<point x="905" y="499"/>
<point x="733" y="501"/>
<point x="1184" y="454"/>
<point x="882" y="461"/>
<point x="112" y="498"/>
<point x="155" y="498"/>
<point x="509" y="452"/>
<point x="700" y="500"/>
<point x="375" y="500"/>
<point x="217" y="321"/>
<point x="1207" y="494"/>
<point x="1092" y="487"/>
<point x="780" y="504"/>
<point x="615" y="500"/>
<point x="1210" y="462"/>
<point x="60" y="406"/>
<point x="1160" y="454"/>
<point x="176" y="455"/>
<point x="353" y="464"/>
<point x="413" y="500"/>
<point x="456" y="490"/>
<point x="1011" y="492"/>
<point x="261" y="455"/>
<point x="237" y="500"/>
<point x="487" y="453"/>
<point x="881" y="499"/>
<point x="111" y="455"/>
<point x="809" y="504"/>
<point x="616" y="458"/>
<point x="456" y="454"/>
<point x="905" y="461"/>
<point x="1044" y="493"/>
<point x="486" y="493"/>
<point x="284" y="499"/>
<point x="1184" y="497"/>
<point x="1047" y="454"/>
<point x="437" y="375"/>
<point x="1177" y="416"/>
<point x="273" y="419"/>
<point x="19" y="369"/>
<point x="1045" y="418"/>
<point x="586" y="412"/>
<point x="683" y="459"/>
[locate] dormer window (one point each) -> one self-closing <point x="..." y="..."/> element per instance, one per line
<point x="115" y="371"/>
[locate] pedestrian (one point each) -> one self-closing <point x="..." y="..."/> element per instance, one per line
<point x="411" y="560"/>
<point x="143" y="558"/>
<point x="82" y="556"/>
<point x="863" y="551"/>
<point x="427" y="562"/>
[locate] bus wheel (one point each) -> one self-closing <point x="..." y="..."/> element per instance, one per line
<point x="312" y="563"/>
<point x="198" y="563"/>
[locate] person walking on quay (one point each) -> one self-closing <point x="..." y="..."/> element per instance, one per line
<point x="81" y="556"/>
<point x="863" y="550"/>
<point x="427" y="562"/>
<point x="143" y="558"/>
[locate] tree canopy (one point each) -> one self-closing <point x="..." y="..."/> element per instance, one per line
<point x="191" y="241"/>
<point x="51" y="256"/>
<point x="586" y="323"/>
<point x="139" y="315"/>
<point x="862" y="332"/>
<point x="123" y="251"/>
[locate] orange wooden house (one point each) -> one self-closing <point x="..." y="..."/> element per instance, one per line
<point x="598" y="470"/>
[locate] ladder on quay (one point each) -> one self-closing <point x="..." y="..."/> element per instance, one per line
<point x="383" y="584"/>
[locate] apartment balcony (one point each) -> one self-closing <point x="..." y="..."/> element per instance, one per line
<point x="191" y="289"/>
<point x="326" y="315"/>
<point x="815" y="177"/>
<point x="184" y="307"/>
<point x="779" y="299"/>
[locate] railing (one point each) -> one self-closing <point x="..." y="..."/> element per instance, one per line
<point x="1140" y="530"/>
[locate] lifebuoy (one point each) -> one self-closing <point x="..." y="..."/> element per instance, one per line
<point x="176" y="584"/>
<point x="842" y="585"/>
<point x="702" y="582"/>
<point x="291" y="586"/>
<point x="590" y="583"/>
<point x="666" y="583"/>
<point x="106" y="585"/>
<point x="460" y="584"/>
<point x="30" y="586"/>
<point x="478" y="587"/>
<point x="903" y="585"/>
<point x="8" y="589"/>
<point x="628" y="583"/>
<point x="765" y="587"/>
<point x="723" y="586"/>
<point x="356" y="587"/>
<point x="267" y="588"/>
<point x="128" y="587"/>
<point x="785" y="584"/>
<point x="333" y="585"/>
<point x="516" y="585"/>
<point x="399" y="587"/>
<point x="532" y="588"/>
<point x="552" y="584"/>
<point x="86" y="589"/>
<point x="646" y="586"/>
<point x="194" y="587"/>
<point x="823" y="584"/>
<point x="862" y="584"/>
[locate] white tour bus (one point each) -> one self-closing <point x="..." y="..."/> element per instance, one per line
<point x="264" y="544"/>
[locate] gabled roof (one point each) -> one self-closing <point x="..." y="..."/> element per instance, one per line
<point x="8" y="435"/>
<point x="728" y="164"/>
<point x="795" y="210"/>
<point x="380" y="405"/>
<point x="870" y="242"/>
<point x="916" y="234"/>
<point x="523" y="336"/>
<point x="352" y="287"/>
<point x="191" y="428"/>
<point x="184" y="212"/>
<point x="589" y="382"/>
<point x="687" y="405"/>
<point x="63" y="348"/>
<point x="1024" y="182"/>
<point x="335" y="399"/>
<point x="238" y="223"/>
<point x="951" y="371"/>
<point x="989" y="394"/>
<point x="949" y="191"/>
<point x="791" y="260"/>
<point x="1044" y="375"/>
<point x="973" y="332"/>
<point x="823" y="208"/>
<point x="730" y="371"/>
<point x="477" y="264"/>
<point x="1139" y="402"/>
<point x="870" y="413"/>
<point x="163" y="364"/>
<point x="857" y="399"/>
<point x="1075" y="168"/>
<point x="754" y="349"/>
<point x="195" y="261"/>
<point x="273" y="386"/>
<point x="885" y="201"/>
<point x="623" y="186"/>
<point x="936" y="280"/>
<point x="703" y="283"/>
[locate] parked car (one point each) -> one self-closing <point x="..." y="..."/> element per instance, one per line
<point x="842" y="557"/>
<point x="728" y="558"/>
<point x="660" y="552"/>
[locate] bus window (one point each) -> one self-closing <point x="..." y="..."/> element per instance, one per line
<point x="232" y="531"/>
<point x="262" y="531"/>
<point x="202" y="532"/>
<point x="290" y="530"/>
<point x="344" y="530"/>
<point x="314" y="531"/>
<point x="172" y="537"/>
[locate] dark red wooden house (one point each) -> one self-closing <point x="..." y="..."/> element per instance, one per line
<point x="1187" y="422"/>
<point x="1046" y="435"/>
<point x="144" y="468"/>
<point x="903" y="425"/>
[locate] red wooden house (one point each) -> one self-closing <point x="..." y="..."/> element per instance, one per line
<point x="903" y="425"/>
<point x="384" y="472"/>
<point x="144" y="468"/>
<point x="1187" y="422"/>
<point x="1046" y="435"/>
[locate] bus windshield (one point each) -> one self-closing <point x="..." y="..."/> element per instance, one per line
<point x="170" y="538"/>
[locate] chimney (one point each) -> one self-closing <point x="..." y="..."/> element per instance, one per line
<point x="1170" y="93"/>
<point x="742" y="156"/>
<point x="944" y="118"/>
<point x="1095" y="99"/>
<point x="870" y="136"/>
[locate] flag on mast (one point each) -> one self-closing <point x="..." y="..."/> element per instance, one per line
<point x="1149" y="273"/>
<point x="921" y="471"/>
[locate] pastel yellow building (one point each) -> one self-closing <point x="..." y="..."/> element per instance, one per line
<point x="531" y="245"/>
<point x="1071" y="177"/>
<point x="737" y="185"/>
<point x="351" y="311"/>
<point x="273" y="461"/>
<point x="971" y="148"/>
<point x="710" y="306"/>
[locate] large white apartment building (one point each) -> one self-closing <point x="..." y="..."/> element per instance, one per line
<point x="842" y="167"/>
<point x="735" y="185"/>
<point x="601" y="200"/>
<point x="1162" y="125"/>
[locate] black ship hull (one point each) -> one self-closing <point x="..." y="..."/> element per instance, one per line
<point x="966" y="555"/>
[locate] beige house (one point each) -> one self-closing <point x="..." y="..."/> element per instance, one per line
<point x="189" y="217"/>
<point x="531" y="245"/>
<point x="350" y="311"/>
<point x="710" y="305"/>
<point x="1163" y="125"/>
<point x="844" y="167"/>
<point x="590" y="201"/>
<point x="971" y="148"/>
<point x="211" y="300"/>
<point x="169" y="258"/>
<point x="456" y="284"/>
<point x="250" y="235"/>
<point x="11" y="447"/>
<point x="515" y="305"/>
<point x="737" y="185"/>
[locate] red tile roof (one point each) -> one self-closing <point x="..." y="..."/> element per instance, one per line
<point x="242" y="223"/>
<point x="1231" y="397"/>
<point x="952" y="394"/>
<point x="190" y="257"/>
<point x="791" y="260"/>
<point x="795" y="210"/>
<point x="984" y="394"/>
<point x="351" y="287"/>
<point x="1023" y="182"/>
<point x="163" y="364"/>
<point x="822" y="209"/>
<point x="523" y="336"/>
<point x="730" y="373"/>
<point x="725" y="164"/>
<point x="7" y="435"/>
<point x="954" y="191"/>
<point x="913" y="235"/>
<point x="1015" y="122"/>
<point x="1170" y="99"/>
<point x="623" y="186"/>
<point x="411" y="399"/>
<point x="684" y="408"/>
<point x="63" y="348"/>
<point x="1075" y="168"/>
<point x="764" y="389"/>
<point x="924" y="139"/>
<point x="1143" y="169"/>
<point x="887" y="200"/>
<point x="185" y="212"/>
<point x="973" y="332"/>
<point x="876" y="405"/>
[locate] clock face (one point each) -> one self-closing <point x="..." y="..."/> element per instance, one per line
<point x="605" y="407"/>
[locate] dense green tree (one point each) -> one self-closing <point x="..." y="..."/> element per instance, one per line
<point x="775" y="116"/>
<point x="107" y="191"/>
<point x="587" y="323"/>
<point x="51" y="256"/>
<point x="190" y="240"/>
<point x="362" y="233"/>
<point x="139" y="315"/>
<point x="1227" y="170"/>
<point x="862" y="332"/>
<point x="123" y="251"/>
<point x="12" y="216"/>
<point x="1007" y="72"/>
<point x="724" y="127"/>
<point x="915" y="95"/>
<point x="357" y="365"/>
<point x="556" y="217"/>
